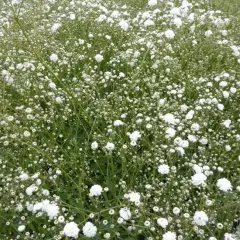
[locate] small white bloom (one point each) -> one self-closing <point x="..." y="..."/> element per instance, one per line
<point x="163" y="169"/>
<point x="118" y="123"/>
<point x="134" y="197"/>
<point x="55" y="27"/>
<point x="61" y="219"/>
<point x="197" y="168"/>
<point x="192" y="138"/>
<point x="227" y="123"/>
<point x="224" y="185"/>
<point x="52" y="85"/>
<point x="176" y="210"/>
<point x="148" y="23"/>
<point x="94" y="145"/>
<point x="71" y="230"/>
<point x="208" y="33"/>
<point x="195" y="127"/>
<point x="134" y="136"/>
<point x="124" y="25"/>
<point x="99" y="58"/>
<point x="30" y="190"/>
<point x="52" y="210"/>
<point x="199" y="179"/>
<point x="169" y="236"/>
<point x="169" y="118"/>
<point x="110" y="146"/>
<point x="72" y="16"/>
<point x="200" y="218"/>
<point x="21" y="228"/>
<point x="24" y="177"/>
<point x="45" y="192"/>
<point x="152" y="3"/>
<point x="19" y="207"/>
<point x="59" y="100"/>
<point x="89" y="230"/>
<point x="220" y="106"/>
<point x="125" y="213"/>
<point x="53" y="57"/>
<point x="16" y="2"/>
<point x="190" y="115"/>
<point x="169" y="34"/>
<point x="163" y="222"/>
<point x="96" y="190"/>
<point x="177" y="22"/>
<point x="229" y="236"/>
<point x="170" y="132"/>
<point x="26" y="134"/>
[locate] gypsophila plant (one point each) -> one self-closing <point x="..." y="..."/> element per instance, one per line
<point x="119" y="119"/>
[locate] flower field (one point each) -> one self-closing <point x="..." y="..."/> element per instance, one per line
<point x="120" y="119"/>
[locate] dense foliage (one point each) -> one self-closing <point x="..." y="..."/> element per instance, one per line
<point x="119" y="119"/>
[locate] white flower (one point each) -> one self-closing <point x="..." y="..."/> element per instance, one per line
<point x="52" y="85"/>
<point x="163" y="169"/>
<point x="192" y="138"/>
<point x="148" y="23"/>
<point x="134" y="136"/>
<point x="118" y="123"/>
<point x="198" y="179"/>
<point x="71" y="230"/>
<point x="190" y="115"/>
<point x="61" y="219"/>
<point x="72" y="16"/>
<point x="52" y="210"/>
<point x="59" y="100"/>
<point x="30" y="190"/>
<point x="152" y="3"/>
<point x="54" y="57"/>
<point x="21" y="228"/>
<point x="170" y="132"/>
<point x="197" y="168"/>
<point x="96" y="190"/>
<point x="176" y="210"/>
<point x="55" y="27"/>
<point x="94" y="145"/>
<point x="19" y="207"/>
<point x="169" y="236"/>
<point x="110" y="146"/>
<point x="99" y="58"/>
<point x="89" y="230"/>
<point x="227" y="123"/>
<point x="177" y="22"/>
<point x="208" y="33"/>
<point x="24" y="177"/>
<point x="26" y="134"/>
<point x="169" y="118"/>
<point x="175" y="12"/>
<point x="200" y="218"/>
<point x="220" y="106"/>
<point x="203" y="141"/>
<point x="163" y="222"/>
<point x="229" y="236"/>
<point x="224" y="185"/>
<point x="195" y="127"/>
<point x="16" y="2"/>
<point x="124" y="25"/>
<point x="169" y="34"/>
<point x="125" y="213"/>
<point x="134" y="197"/>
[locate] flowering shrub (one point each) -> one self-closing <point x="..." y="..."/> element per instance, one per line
<point x="119" y="119"/>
